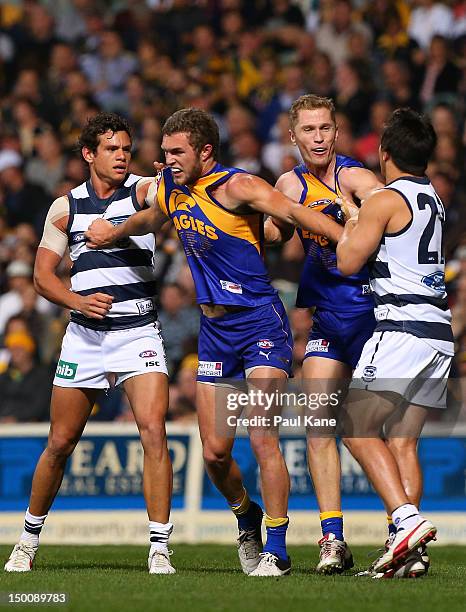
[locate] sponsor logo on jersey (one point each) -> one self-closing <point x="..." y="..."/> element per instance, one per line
<point x="366" y="289"/>
<point x="369" y="373"/>
<point x="145" y="306"/>
<point x="146" y="354"/>
<point x="210" y="368"/>
<point x="265" y="344"/>
<point x="317" y="346"/>
<point x="231" y="287"/>
<point x="66" y="370"/>
<point x="264" y="354"/>
<point x="435" y="281"/>
<point x="152" y="364"/>
<point x="78" y="237"/>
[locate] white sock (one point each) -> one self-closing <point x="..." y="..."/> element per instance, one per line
<point x="159" y="534"/>
<point x="32" y="528"/>
<point x="405" y="517"/>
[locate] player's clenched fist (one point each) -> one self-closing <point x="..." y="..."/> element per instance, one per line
<point x="348" y="207"/>
<point x="95" y="306"/>
<point x="100" y="234"/>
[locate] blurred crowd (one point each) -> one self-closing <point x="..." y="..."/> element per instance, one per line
<point x="61" y="61"/>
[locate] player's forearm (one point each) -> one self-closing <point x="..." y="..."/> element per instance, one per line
<point x="49" y="286"/>
<point x="316" y="222"/>
<point x="349" y="259"/>
<point x="139" y="224"/>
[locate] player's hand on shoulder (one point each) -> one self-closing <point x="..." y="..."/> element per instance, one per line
<point x="95" y="306"/>
<point x="100" y="234"/>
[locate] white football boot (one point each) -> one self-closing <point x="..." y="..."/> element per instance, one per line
<point x="21" y="558"/>
<point x="159" y="562"/>
<point x="271" y="565"/>
<point x="335" y="555"/>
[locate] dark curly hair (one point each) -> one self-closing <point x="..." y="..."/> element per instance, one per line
<point x="199" y="125"/>
<point x="100" y="124"/>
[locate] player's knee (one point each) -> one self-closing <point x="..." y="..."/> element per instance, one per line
<point x="215" y="455"/>
<point x="402" y="446"/>
<point x="319" y="445"/>
<point x="153" y="435"/>
<point x="60" y="447"/>
<point x="264" y="447"/>
<point x="353" y="444"/>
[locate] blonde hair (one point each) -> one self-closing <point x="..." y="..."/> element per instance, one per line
<point x="310" y="102"/>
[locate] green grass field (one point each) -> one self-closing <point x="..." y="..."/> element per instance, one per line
<point x="114" y="578"/>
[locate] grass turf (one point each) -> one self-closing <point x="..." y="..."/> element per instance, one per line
<point x="114" y="578"/>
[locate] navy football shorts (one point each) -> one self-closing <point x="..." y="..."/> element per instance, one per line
<point x="232" y="345"/>
<point x="340" y="336"/>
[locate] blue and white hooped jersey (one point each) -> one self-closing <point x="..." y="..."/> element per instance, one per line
<point x="224" y="249"/>
<point x="125" y="271"/>
<point x="408" y="274"/>
<point x="321" y="284"/>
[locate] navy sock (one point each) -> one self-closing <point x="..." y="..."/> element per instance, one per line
<point x="250" y="519"/>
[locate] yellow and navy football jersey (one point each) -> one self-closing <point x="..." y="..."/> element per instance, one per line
<point x="321" y="284"/>
<point x="224" y="249"/>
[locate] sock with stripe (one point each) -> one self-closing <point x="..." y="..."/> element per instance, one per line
<point x="276" y="536"/>
<point x="159" y="534"/>
<point x="405" y="517"/>
<point x="332" y="522"/>
<point x="391" y="527"/>
<point x="32" y="528"/>
<point x="248" y="513"/>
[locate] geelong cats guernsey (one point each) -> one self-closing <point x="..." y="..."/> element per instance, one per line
<point x="124" y="271"/>
<point x="408" y="275"/>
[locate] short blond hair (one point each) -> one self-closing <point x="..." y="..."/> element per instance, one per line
<point x="310" y="102"/>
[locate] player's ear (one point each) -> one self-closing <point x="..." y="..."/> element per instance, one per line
<point x="206" y="152"/>
<point x="87" y="154"/>
<point x="292" y="137"/>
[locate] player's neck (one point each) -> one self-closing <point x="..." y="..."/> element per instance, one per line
<point x="324" y="173"/>
<point x="392" y="173"/>
<point x="208" y="166"/>
<point x="103" y="188"/>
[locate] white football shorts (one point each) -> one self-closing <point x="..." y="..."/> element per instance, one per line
<point x="99" y="359"/>
<point x="404" y="364"/>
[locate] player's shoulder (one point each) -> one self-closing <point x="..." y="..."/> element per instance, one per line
<point x="384" y="199"/>
<point x="290" y="184"/>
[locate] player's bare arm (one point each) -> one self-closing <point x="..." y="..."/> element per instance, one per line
<point x="358" y="182"/>
<point x="49" y="255"/>
<point x="276" y="231"/>
<point x="383" y="211"/>
<point x="257" y="194"/>
<point x="101" y="233"/>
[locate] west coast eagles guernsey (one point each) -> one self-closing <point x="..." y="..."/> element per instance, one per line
<point x="321" y="284"/>
<point x="224" y="249"/>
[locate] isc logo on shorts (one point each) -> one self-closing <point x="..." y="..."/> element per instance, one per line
<point x="66" y="369"/>
<point x="317" y="346"/>
<point x="210" y="368"/>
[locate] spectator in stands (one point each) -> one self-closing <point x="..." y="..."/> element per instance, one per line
<point x="179" y="322"/>
<point x="25" y="386"/>
<point x="108" y="70"/>
<point x="47" y="169"/>
<point x="427" y="19"/>
<point x="19" y="275"/>
<point x="333" y="36"/>
<point x="24" y="202"/>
